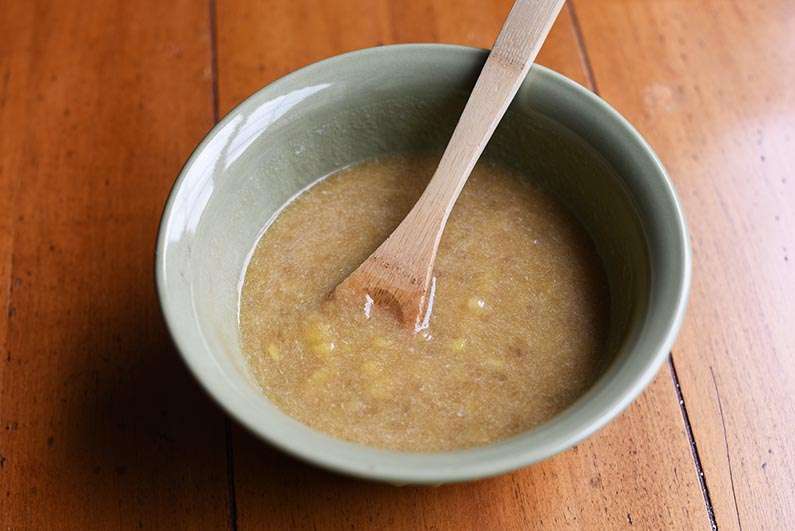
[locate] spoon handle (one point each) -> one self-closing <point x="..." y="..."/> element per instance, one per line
<point x="514" y="51"/>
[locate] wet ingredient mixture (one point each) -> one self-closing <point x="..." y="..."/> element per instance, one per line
<point x="517" y="333"/>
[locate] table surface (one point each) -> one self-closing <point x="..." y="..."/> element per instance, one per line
<point x="101" y="426"/>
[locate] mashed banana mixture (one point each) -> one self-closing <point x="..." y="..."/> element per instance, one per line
<point x="517" y="333"/>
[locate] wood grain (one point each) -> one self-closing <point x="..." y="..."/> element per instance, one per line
<point x="711" y="88"/>
<point x="287" y="35"/>
<point x="637" y="472"/>
<point x="398" y="273"/>
<point x="100" y="425"/>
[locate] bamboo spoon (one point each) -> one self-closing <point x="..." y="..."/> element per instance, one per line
<point x="399" y="274"/>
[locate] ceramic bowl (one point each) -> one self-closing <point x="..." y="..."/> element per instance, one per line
<point x="401" y="98"/>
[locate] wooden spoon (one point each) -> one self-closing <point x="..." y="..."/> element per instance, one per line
<point x="398" y="275"/>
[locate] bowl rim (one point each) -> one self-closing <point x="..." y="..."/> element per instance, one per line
<point x="483" y="463"/>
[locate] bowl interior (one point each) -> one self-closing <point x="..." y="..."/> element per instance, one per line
<point x="406" y="98"/>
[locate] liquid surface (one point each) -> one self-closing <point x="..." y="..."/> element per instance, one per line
<point x="517" y="332"/>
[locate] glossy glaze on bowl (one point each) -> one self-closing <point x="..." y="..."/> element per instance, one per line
<point x="398" y="98"/>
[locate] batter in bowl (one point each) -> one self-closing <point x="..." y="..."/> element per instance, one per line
<point x="518" y="328"/>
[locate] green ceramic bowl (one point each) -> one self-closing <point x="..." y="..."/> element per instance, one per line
<point x="402" y="98"/>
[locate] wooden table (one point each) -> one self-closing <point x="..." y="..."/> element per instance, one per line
<point x="100" y="424"/>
